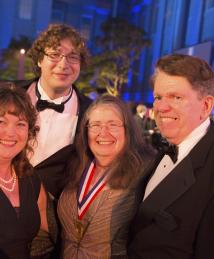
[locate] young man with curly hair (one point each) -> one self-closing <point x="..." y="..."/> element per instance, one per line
<point x="58" y="54"/>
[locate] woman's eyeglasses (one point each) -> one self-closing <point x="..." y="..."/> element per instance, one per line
<point x="112" y="127"/>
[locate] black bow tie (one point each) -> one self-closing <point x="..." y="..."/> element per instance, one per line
<point x="43" y="104"/>
<point x="172" y="152"/>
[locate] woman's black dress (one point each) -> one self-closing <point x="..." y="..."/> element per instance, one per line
<point x="18" y="226"/>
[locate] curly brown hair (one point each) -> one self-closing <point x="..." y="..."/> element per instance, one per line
<point x="15" y="101"/>
<point x="51" y="38"/>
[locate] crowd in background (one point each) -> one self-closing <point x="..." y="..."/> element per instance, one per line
<point x="144" y="117"/>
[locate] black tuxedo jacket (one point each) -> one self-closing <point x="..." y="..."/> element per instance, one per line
<point x="176" y="221"/>
<point x="52" y="170"/>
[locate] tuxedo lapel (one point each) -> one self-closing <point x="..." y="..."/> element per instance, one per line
<point x="146" y="175"/>
<point x="171" y="188"/>
<point x="200" y="152"/>
<point x="61" y="156"/>
<point x="168" y="191"/>
<point x="176" y="183"/>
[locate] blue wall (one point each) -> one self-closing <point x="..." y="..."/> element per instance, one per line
<point x="172" y="25"/>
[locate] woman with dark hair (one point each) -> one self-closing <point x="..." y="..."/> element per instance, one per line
<point x="22" y="196"/>
<point x="96" y="207"/>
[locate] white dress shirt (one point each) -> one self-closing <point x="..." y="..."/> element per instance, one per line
<point x="166" y="165"/>
<point x="57" y="130"/>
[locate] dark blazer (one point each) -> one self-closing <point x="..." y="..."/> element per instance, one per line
<point x="52" y="170"/>
<point x="176" y="221"/>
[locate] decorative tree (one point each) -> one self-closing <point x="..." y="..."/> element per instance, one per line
<point x="120" y="44"/>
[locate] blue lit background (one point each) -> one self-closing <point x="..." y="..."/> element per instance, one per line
<point x="172" y="25"/>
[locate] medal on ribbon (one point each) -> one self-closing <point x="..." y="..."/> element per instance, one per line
<point x="84" y="196"/>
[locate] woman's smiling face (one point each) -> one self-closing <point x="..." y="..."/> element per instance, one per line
<point x="106" y="133"/>
<point x="13" y="136"/>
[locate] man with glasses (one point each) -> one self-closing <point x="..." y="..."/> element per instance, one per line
<point x="58" y="54"/>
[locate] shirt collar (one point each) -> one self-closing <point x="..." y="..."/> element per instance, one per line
<point x="44" y="96"/>
<point x="192" y="139"/>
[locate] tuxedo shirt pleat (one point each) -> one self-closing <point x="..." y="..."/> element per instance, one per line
<point x="57" y="130"/>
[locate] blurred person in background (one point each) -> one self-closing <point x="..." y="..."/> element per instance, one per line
<point x="140" y="116"/>
<point x="144" y="118"/>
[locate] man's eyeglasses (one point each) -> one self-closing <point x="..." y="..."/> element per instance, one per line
<point x="112" y="127"/>
<point x="72" y="58"/>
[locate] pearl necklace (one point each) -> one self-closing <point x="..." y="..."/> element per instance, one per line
<point x="11" y="180"/>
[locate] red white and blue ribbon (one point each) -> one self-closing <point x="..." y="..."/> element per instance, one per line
<point x="84" y="196"/>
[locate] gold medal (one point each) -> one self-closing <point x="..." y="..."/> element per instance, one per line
<point x="79" y="229"/>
